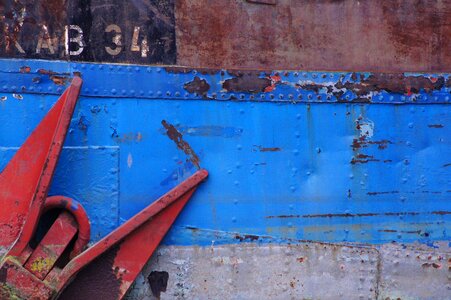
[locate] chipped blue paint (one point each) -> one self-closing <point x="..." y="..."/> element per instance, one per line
<point x="281" y="169"/>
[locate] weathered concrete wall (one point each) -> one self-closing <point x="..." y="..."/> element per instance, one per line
<point x="301" y="271"/>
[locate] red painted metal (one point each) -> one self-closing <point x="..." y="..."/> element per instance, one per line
<point x="44" y="271"/>
<point x="81" y="218"/>
<point x="25" y="180"/>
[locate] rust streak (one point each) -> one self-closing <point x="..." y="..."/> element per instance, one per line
<point x="442" y="213"/>
<point x="435" y="126"/>
<point x="349" y="215"/>
<point x="382" y="193"/>
<point x="177" y="137"/>
<point x="267" y="149"/>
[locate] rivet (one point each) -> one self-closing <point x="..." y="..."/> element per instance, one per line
<point x="410" y="125"/>
<point x="239" y="147"/>
<point x="295" y="151"/>
<point x="262" y="96"/>
<point x="129" y="69"/>
<point x="271" y="96"/>
<point x="149" y="69"/>
<point x="49" y="88"/>
<point x="124" y="92"/>
<point x="113" y="91"/>
<point x="309" y="97"/>
<point x="242" y="111"/>
<point x="233" y="219"/>
<point x="168" y="93"/>
<point x="290" y="96"/>
<point x="281" y="96"/>
<point x="91" y="67"/>
<point x="159" y="93"/>
<point x="298" y="116"/>
<point x="300" y="97"/>
<point x="236" y="183"/>
<point x="235" y="201"/>
<point x="177" y="94"/>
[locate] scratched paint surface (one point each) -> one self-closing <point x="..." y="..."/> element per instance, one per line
<point x="281" y="170"/>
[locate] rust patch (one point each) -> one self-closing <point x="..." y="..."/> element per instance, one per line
<point x="364" y="88"/>
<point x="414" y="35"/>
<point x="197" y="86"/>
<point x="434" y="265"/>
<point x="58" y="80"/>
<point x="46" y="72"/>
<point x="177" y="137"/>
<point x="247" y="83"/>
<point x="435" y="126"/>
<point x="300" y="259"/>
<point x="25" y="70"/>
<point x="158" y="282"/>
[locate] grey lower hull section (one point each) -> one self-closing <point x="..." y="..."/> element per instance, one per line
<point x="301" y="271"/>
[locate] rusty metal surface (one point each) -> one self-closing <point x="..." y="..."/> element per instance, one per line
<point x="344" y="35"/>
<point x="386" y="35"/>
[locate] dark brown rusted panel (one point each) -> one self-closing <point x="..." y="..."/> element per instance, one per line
<point x="131" y="31"/>
<point x="348" y="35"/>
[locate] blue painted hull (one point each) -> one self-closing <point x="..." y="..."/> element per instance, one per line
<point x="285" y="165"/>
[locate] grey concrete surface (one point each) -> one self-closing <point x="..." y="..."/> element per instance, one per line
<point x="301" y="271"/>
